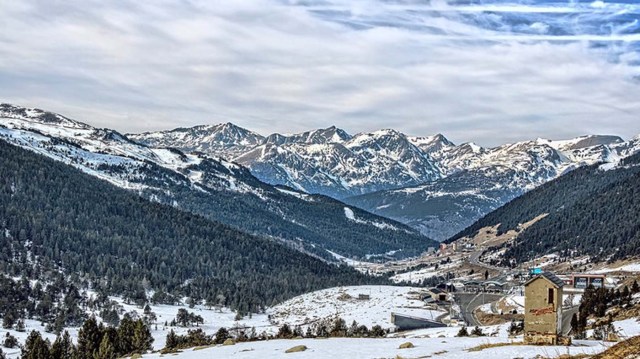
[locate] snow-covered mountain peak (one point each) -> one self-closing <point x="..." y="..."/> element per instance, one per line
<point x="225" y="139"/>
<point x="321" y="136"/>
<point x="35" y="115"/>
<point x="433" y="143"/>
<point x="581" y="142"/>
<point x="385" y="137"/>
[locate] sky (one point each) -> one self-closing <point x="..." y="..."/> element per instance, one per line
<point x="490" y="72"/>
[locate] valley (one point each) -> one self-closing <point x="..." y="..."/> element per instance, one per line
<point x="258" y="264"/>
<point x="282" y="179"/>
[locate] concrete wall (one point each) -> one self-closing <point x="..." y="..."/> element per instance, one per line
<point x="542" y="321"/>
<point x="403" y="322"/>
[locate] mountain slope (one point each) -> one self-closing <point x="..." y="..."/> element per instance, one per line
<point x="480" y="180"/>
<point x="593" y="211"/>
<point x="54" y="217"/>
<point x="223" y="138"/>
<point x="428" y="183"/>
<point x="215" y="188"/>
<point x="326" y="161"/>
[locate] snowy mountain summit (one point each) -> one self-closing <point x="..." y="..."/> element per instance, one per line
<point x="210" y="186"/>
<point x="427" y="182"/>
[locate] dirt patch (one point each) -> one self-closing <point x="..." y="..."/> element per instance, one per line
<point x="488" y="236"/>
<point x="618" y="313"/>
<point x="407" y="345"/>
<point x="495" y="319"/>
<point x="296" y="349"/>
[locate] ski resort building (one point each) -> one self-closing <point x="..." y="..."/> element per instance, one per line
<point x="543" y="309"/>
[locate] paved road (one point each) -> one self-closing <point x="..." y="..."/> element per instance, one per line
<point x="475" y="260"/>
<point x="567" y="313"/>
<point x="468" y="302"/>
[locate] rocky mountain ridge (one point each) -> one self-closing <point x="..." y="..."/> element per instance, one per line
<point x="212" y="187"/>
<point x="428" y="182"/>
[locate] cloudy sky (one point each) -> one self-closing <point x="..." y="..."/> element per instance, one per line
<point x="475" y="70"/>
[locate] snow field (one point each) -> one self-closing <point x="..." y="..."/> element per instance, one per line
<point x="343" y="302"/>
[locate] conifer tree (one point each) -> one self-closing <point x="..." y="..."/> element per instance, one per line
<point x="20" y="325"/>
<point x="142" y="339"/>
<point x="35" y="347"/>
<point x="221" y="335"/>
<point x="63" y="347"/>
<point x="10" y="341"/>
<point x="172" y="340"/>
<point x="477" y="331"/>
<point x="285" y="332"/>
<point x="463" y="332"/>
<point x="89" y="339"/>
<point x="126" y="331"/>
<point x="106" y="350"/>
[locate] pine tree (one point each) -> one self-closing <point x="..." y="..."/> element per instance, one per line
<point x="8" y="320"/>
<point x="307" y="334"/>
<point x="574" y="324"/>
<point x="477" y="331"/>
<point x="35" y="347"/>
<point x="89" y="339"/>
<point x="339" y="328"/>
<point x="106" y="350"/>
<point x="625" y="292"/>
<point x="172" y="340"/>
<point x="63" y="347"/>
<point x="124" y="344"/>
<point x="10" y="341"/>
<point x="377" y="331"/>
<point x="285" y="332"/>
<point x="221" y="335"/>
<point x="142" y="339"/>
<point x="2" y="356"/>
<point x="463" y="332"/>
<point x="20" y="325"/>
<point x="182" y="317"/>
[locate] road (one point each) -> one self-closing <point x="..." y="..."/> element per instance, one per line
<point x="468" y="302"/>
<point x="567" y="313"/>
<point x="475" y="260"/>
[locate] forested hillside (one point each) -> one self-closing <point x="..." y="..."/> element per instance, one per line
<point x="590" y="211"/>
<point x="212" y="187"/>
<point x="54" y="217"/>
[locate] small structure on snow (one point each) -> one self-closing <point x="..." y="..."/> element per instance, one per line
<point x="543" y="310"/>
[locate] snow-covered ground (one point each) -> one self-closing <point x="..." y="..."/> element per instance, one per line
<point x="301" y="310"/>
<point x="419" y="275"/>
<point x="344" y="302"/>
<point x="632" y="267"/>
<point x="30" y="325"/>
<point x="436" y="343"/>
<point x="213" y="320"/>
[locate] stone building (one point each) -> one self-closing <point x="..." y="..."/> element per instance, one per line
<point x="543" y="310"/>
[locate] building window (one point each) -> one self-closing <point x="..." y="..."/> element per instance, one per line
<point x="550" y="296"/>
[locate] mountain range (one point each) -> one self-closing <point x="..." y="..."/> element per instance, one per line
<point x="212" y="187"/>
<point x="428" y="183"/>
<point x="591" y="211"/>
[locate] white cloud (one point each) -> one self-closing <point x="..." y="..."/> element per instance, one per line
<point x="470" y="72"/>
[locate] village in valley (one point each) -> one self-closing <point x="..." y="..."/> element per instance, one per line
<point x="459" y="305"/>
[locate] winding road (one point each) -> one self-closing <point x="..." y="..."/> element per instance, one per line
<point x="468" y="303"/>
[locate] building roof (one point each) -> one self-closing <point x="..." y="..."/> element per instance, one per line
<point x="548" y="276"/>
<point x="436" y="291"/>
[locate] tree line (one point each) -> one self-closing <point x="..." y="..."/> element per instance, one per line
<point x="54" y="219"/>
